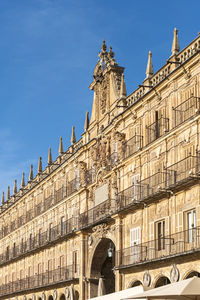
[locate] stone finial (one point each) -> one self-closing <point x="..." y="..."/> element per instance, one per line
<point x="86" y="125"/>
<point x="2" y="199"/>
<point x="40" y="165"/>
<point x="73" y="137"/>
<point x="111" y="54"/>
<point x="49" y="157"/>
<point x="8" y="193"/>
<point x="175" y="44"/>
<point x="23" y="181"/>
<point x="123" y="92"/>
<point x="104" y="47"/>
<point x="15" y="187"/>
<point x="60" y="147"/>
<point x="31" y="174"/>
<point x="149" y="70"/>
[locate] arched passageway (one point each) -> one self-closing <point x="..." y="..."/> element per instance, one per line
<point x="192" y="274"/>
<point x="102" y="265"/>
<point x="162" y="281"/>
<point x="62" y="297"/>
<point x="50" y="297"/>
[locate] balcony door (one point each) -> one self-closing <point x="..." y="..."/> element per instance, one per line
<point x="135" y="191"/>
<point x="190" y="220"/>
<point x="160" y="235"/>
<point x="135" y="249"/>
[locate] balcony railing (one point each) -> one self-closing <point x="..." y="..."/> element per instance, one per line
<point x="73" y="186"/>
<point x="42" y="239"/>
<point x="95" y="214"/>
<point x="161" y="182"/>
<point x="176" y="175"/>
<point x="47" y="278"/>
<point x="175" y="244"/>
<point x="157" y="129"/>
<point x="186" y="110"/>
<point x="133" y="145"/>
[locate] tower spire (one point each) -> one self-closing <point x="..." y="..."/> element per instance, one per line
<point x="8" y="193"/>
<point x="123" y="92"/>
<point x="73" y="137"/>
<point x="175" y="44"/>
<point x="60" y="147"/>
<point x="149" y="70"/>
<point x="40" y="165"/>
<point x="23" y="181"/>
<point x="31" y="173"/>
<point x="3" y="198"/>
<point x="86" y="126"/>
<point x="15" y="187"/>
<point x="49" y="157"/>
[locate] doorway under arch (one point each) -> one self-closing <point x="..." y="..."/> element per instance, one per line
<point x="62" y="297"/>
<point x="103" y="262"/>
<point x="192" y="274"/>
<point x="162" y="281"/>
<point x="50" y="297"/>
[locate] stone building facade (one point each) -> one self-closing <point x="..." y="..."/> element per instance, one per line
<point x="123" y="202"/>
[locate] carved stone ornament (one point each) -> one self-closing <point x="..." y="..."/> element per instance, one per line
<point x="67" y="292"/>
<point x="25" y="297"/>
<point x="82" y="173"/>
<point x="102" y="229"/>
<point x="33" y="297"/>
<point x="90" y="240"/>
<point x="43" y="296"/>
<point x="174" y="274"/>
<point x="55" y="295"/>
<point x="146" y="279"/>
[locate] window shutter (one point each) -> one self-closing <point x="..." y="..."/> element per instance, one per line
<point x="167" y="226"/>
<point x="179" y="222"/>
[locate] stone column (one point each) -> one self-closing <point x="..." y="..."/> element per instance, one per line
<point x="82" y="263"/>
<point x="118" y="249"/>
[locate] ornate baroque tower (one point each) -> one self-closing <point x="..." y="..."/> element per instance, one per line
<point x="107" y="82"/>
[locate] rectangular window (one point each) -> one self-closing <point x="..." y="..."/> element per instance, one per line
<point x="190" y="220"/>
<point x="77" y="184"/>
<point x="7" y="253"/>
<point x="62" y="223"/>
<point x="75" y="254"/>
<point x="50" y="232"/>
<point x="135" y="249"/>
<point x="135" y="191"/>
<point x="160" y="235"/>
<point x="40" y="236"/>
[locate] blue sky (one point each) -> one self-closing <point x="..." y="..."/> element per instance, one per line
<point x="48" y="51"/>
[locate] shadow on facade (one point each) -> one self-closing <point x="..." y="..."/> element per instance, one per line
<point x="103" y="263"/>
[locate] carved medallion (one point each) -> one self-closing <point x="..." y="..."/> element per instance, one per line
<point x="55" y="295"/>
<point x="174" y="274"/>
<point x="146" y="279"/>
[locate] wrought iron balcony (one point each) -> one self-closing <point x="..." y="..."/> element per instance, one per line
<point x="183" y="172"/>
<point x="42" y="239"/>
<point x="187" y="109"/>
<point x="61" y="274"/>
<point x="157" y="129"/>
<point x="133" y="145"/>
<point x="72" y="186"/>
<point x="180" y="243"/>
<point x="95" y="214"/>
